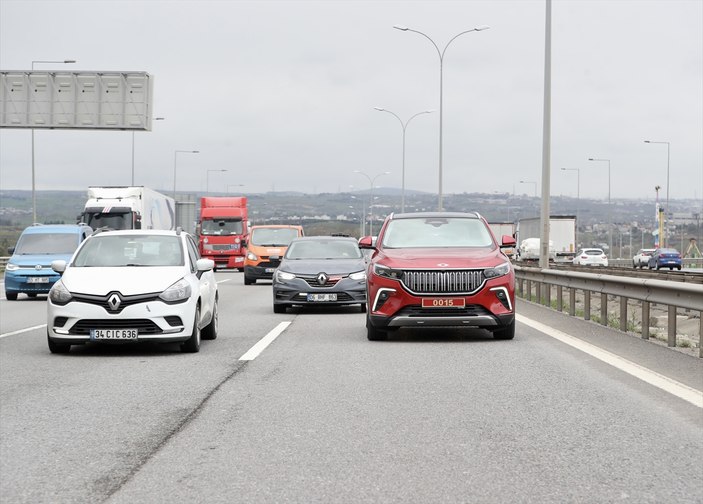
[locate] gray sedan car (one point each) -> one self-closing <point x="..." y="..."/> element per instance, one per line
<point x="320" y="271"/>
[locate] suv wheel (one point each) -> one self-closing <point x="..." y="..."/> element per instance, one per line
<point x="506" y="333"/>
<point x="374" y="334"/>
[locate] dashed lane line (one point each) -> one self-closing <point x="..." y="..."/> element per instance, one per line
<point x="20" y="331"/>
<point x="660" y="381"/>
<point x="261" y="345"/>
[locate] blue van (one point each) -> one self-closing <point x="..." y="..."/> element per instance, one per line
<point x="29" y="269"/>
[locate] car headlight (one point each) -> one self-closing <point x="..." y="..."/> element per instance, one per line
<point x="252" y="256"/>
<point x="385" y="271"/>
<point x="180" y="291"/>
<point x="498" y="271"/>
<point x="59" y="294"/>
<point x="283" y="276"/>
<point x="11" y="267"/>
<point x="359" y="275"/>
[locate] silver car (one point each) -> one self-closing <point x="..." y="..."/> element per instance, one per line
<point x="131" y="286"/>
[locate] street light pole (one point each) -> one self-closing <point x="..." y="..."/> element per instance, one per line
<point x="175" y="160"/>
<point x="34" y="190"/>
<point x="207" y="179"/>
<point x="666" y="210"/>
<point x="534" y="184"/>
<point x="610" y="210"/>
<point x="403" y="125"/>
<point x="155" y="119"/>
<point x="233" y="185"/>
<point x="578" y="202"/>
<point x="441" y="78"/>
<point x="371" y="181"/>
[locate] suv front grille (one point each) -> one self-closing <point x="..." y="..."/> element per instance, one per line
<point x="443" y="282"/>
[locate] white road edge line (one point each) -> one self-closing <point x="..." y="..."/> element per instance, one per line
<point x="254" y="351"/>
<point x="673" y="387"/>
<point x="22" y="331"/>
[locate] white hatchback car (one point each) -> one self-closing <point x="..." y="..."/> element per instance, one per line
<point x="641" y="260"/>
<point x="591" y="257"/>
<point x="132" y="286"/>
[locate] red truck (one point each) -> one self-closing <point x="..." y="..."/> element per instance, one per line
<point x="223" y="229"/>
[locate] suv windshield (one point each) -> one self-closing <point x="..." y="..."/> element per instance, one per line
<point x="47" y="243"/>
<point x="130" y="250"/>
<point x="273" y="237"/>
<point x="436" y="232"/>
<point x="221" y="227"/>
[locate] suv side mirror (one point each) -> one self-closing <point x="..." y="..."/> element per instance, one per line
<point x="508" y="242"/>
<point x="366" y="242"/>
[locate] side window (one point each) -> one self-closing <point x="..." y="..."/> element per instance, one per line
<point x="192" y="253"/>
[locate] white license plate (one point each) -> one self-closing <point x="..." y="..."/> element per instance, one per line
<point x="270" y="270"/>
<point x="322" y="297"/>
<point x="113" y="334"/>
<point x="38" y="280"/>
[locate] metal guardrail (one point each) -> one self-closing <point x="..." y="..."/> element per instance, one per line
<point x="3" y="263"/>
<point x="647" y="291"/>
<point x="687" y="262"/>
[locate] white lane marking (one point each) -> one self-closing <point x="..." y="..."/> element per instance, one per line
<point x="254" y="351"/>
<point x="225" y="280"/>
<point x="22" y="330"/>
<point x="665" y="383"/>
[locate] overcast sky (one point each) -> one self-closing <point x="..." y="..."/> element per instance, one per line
<point x="282" y="94"/>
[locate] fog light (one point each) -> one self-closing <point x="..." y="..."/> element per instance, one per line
<point x="502" y="295"/>
<point x="382" y="296"/>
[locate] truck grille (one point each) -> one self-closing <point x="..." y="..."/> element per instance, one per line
<point x="443" y="282"/>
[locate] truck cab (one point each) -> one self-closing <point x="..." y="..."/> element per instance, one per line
<point x="223" y="229"/>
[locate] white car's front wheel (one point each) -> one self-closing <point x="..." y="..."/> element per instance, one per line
<point x="192" y="344"/>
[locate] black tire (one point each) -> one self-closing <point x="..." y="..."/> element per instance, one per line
<point x="507" y="333"/>
<point x="209" y="332"/>
<point x="32" y="294"/>
<point x="678" y="268"/>
<point x="57" y="348"/>
<point x="362" y="306"/>
<point x="374" y="334"/>
<point x="11" y="296"/>
<point x="634" y="266"/>
<point x="249" y="281"/>
<point x="279" y="308"/>
<point x="192" y="344"/>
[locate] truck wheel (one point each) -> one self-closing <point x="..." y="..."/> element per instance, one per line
<point x="11" y="296"/>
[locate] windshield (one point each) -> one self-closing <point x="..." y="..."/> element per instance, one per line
<point x="436" y="232"/>
<point x="221" y="227"/>
<point x="47" y="243"/>
<point x="323" y="249"/>
<point x="109" y="220"/>
<point x="273" y="237"/>
<point x="130" y="250"/>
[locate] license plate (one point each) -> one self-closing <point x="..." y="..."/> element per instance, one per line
<point x="270" y="270"/>
<point x="322" y="297"/>
<point x="38" y="280"/>
<point x="113" y="334"/>
<point x="443" y="302"/>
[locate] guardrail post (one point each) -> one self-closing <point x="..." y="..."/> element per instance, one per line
<point x="604" y="309"/>
<point x="586" y="305"/>
<point x="645" y="319"/>
<point x="572" y="301"/>
<point x="623" y="314"/>
<point x="546" y="294"/>
<point x="700" y="335"/>
<point x="529" y="290"/>
<point x="672" y="326"/>
<point x="560" y="298"/>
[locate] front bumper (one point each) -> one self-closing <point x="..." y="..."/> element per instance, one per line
<point x="263" y="271"/>
<point x="30" y="281"/>
<point x="295" y="292"/>
<point x="154" y="320"/>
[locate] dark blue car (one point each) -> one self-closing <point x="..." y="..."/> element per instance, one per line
<point x="665" y="258"/>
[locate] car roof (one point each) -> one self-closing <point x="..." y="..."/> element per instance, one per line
<point x="145" y="232"/>
<point x="426" y="215"/>
<point x="324" y="237"/>
<point x="277" y="226"/>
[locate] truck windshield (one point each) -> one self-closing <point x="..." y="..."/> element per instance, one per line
<point x="47" y="243"/>
<point x="110" y="220"/>
<point x="221" y="227"/>
<point x="273" y="237"/>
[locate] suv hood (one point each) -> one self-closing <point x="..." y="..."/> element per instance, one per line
<point x="126" y="280"/>
<point x="329" y="266"/>
<point x="445" y="258"/>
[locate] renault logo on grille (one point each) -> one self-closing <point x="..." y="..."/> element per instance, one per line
<point x="322" y="278"/>
<point x="114" y="302"/>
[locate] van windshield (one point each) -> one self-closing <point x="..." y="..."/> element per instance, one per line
<point x="273" y="237"/>
<point x="47" y="243"/>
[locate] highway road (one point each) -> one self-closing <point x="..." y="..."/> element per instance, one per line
<point x="568" y="411"/>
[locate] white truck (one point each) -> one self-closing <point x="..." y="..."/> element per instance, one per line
<point x="128" y="207"/>
<point x="562" y="237"/>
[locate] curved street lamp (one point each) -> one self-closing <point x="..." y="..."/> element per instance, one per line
<point x="441" y="64"/>
<point x="34" y="192"/>
<point x="666" y="210"/>
<point x="207" y="179"/>
<point x="371" y="181"/>
<point x="534" y="184"/>
<point x="403" y="125"/>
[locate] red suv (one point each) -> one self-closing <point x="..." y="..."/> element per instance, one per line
<point x="439" y="269"/>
